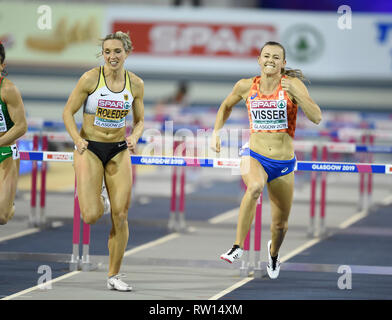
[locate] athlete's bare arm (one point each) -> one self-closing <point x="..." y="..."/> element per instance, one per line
<point x="137" y="88"/>
<point x="85" y="85"/>
<point x="298" y="91"/>
<point x="240" y="91"/>
<point x="11" y="96"/>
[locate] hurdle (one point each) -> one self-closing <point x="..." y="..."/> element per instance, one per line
<point x="74" y="264"/>
<point x="177" y="218"/>
<point x="246" y="266"/>
<point x="85" y="262"/>
<point x="365" y="189"/>
<point x="313" y="186"/>
<point x="36" y="219"/>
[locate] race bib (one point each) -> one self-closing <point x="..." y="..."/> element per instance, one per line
<point x="3" y="125"/>
<point x="111" y="114"/>
<point x="268" y="114"/>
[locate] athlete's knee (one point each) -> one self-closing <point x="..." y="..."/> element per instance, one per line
<point x="91" y="215"/>
<point x="3" y="218"/>
<point x="6" y="215"/>
<point x="255" y="189"/>
<point x="120" y="219"/>
<point x="90" y="219"/>
<point x="280" y="226"/>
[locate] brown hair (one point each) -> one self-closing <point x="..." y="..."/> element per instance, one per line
<point x="119" y="35"/>
<point x="2" y="53"/>
<point x="295" y="73"/>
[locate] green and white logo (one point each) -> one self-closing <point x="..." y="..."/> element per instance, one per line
<point x="303" y="43"/>
<point x="282" y="104"/>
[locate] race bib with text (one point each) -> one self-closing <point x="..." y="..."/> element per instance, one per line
<point x="268" y="114"/>
<point x="111" y="114"/>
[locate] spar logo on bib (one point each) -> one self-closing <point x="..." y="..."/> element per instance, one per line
<point x="282" y="104"/>
<point x="268" y="114"/>
<point x="111" y="113"/>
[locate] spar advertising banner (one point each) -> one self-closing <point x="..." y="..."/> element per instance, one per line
<point x="50" y="34"/>
<point x="226" y="42"/>
<point x="191" y="41"/>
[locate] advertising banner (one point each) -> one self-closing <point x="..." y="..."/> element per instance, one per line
<point x="208" y="41"/>
<point x="51" y="34"/>
<point x="227" y="41"/>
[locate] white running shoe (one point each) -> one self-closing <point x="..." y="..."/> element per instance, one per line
<point x="106" y="201"/>
<point x="233" y="254"/>
<point x="115" y="283"/>
<point x="273" y="267"/>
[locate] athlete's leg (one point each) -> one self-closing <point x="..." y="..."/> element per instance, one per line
<point x="9" y="173"/>
<point x="255" y="178"/>
<point x="280" y="191"/>
<point x="89" y="176"/>
<point x="118" y="180"/>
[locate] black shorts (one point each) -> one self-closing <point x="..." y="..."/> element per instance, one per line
<point x="106" y="150"/>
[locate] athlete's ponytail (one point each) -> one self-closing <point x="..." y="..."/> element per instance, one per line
<point x="2" y="53"/>
<point x="295" y="73"/>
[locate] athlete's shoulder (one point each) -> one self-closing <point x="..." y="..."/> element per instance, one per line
<point x="89" y="79"/>
<point x="136" y="80"/>
<point x="243" y="85"/>
<point x="8" y="88"/>
<point x="91" y="75"/>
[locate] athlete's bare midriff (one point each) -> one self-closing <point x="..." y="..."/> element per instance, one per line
<point x="96" y="133"/>
<point x="274" y="145"/>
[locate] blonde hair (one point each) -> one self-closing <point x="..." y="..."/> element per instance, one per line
<point x="119" y="35"/>
<point x="295" y="73"/>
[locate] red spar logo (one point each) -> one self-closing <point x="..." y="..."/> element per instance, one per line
<point x="270" y="104"/>
<point x="110" y="104"/>
<point x="197" y="39"/>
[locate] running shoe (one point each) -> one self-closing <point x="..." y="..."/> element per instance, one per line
<point x="115" y="283"/>
<point x="106" y="201"/>
<point x="273" y="266"/>
<point x="233" y="254"/>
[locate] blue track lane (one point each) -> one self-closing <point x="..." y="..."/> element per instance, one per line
<point x="18" y="275"/>
<point x="366" y="243"/>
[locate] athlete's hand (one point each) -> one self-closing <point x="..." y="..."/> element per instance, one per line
<point x="215" y="143"/>
<point x="289" y="86"/>
<point x="81" y="145"/>
<point x="131" y="144"/>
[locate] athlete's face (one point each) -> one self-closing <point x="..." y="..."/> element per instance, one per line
<point x="271" y="60"/>
<point x="114" y="54"/>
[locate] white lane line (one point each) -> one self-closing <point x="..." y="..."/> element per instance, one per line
<point x="127" y="253"/>
<point x="55" y="224"/>
<point x="65" y="276"/>
<point x="246" y="280"/>
<point x="152" y="244"/>
<point x="387" y="201"/>
<point x="358" y="216"/>
<point x="232" y="288"/>
<point x="224" y="216"/>
<point x="296" y="251"/>
<point x="300" y="249"/>
<point x="20" y="234"/>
